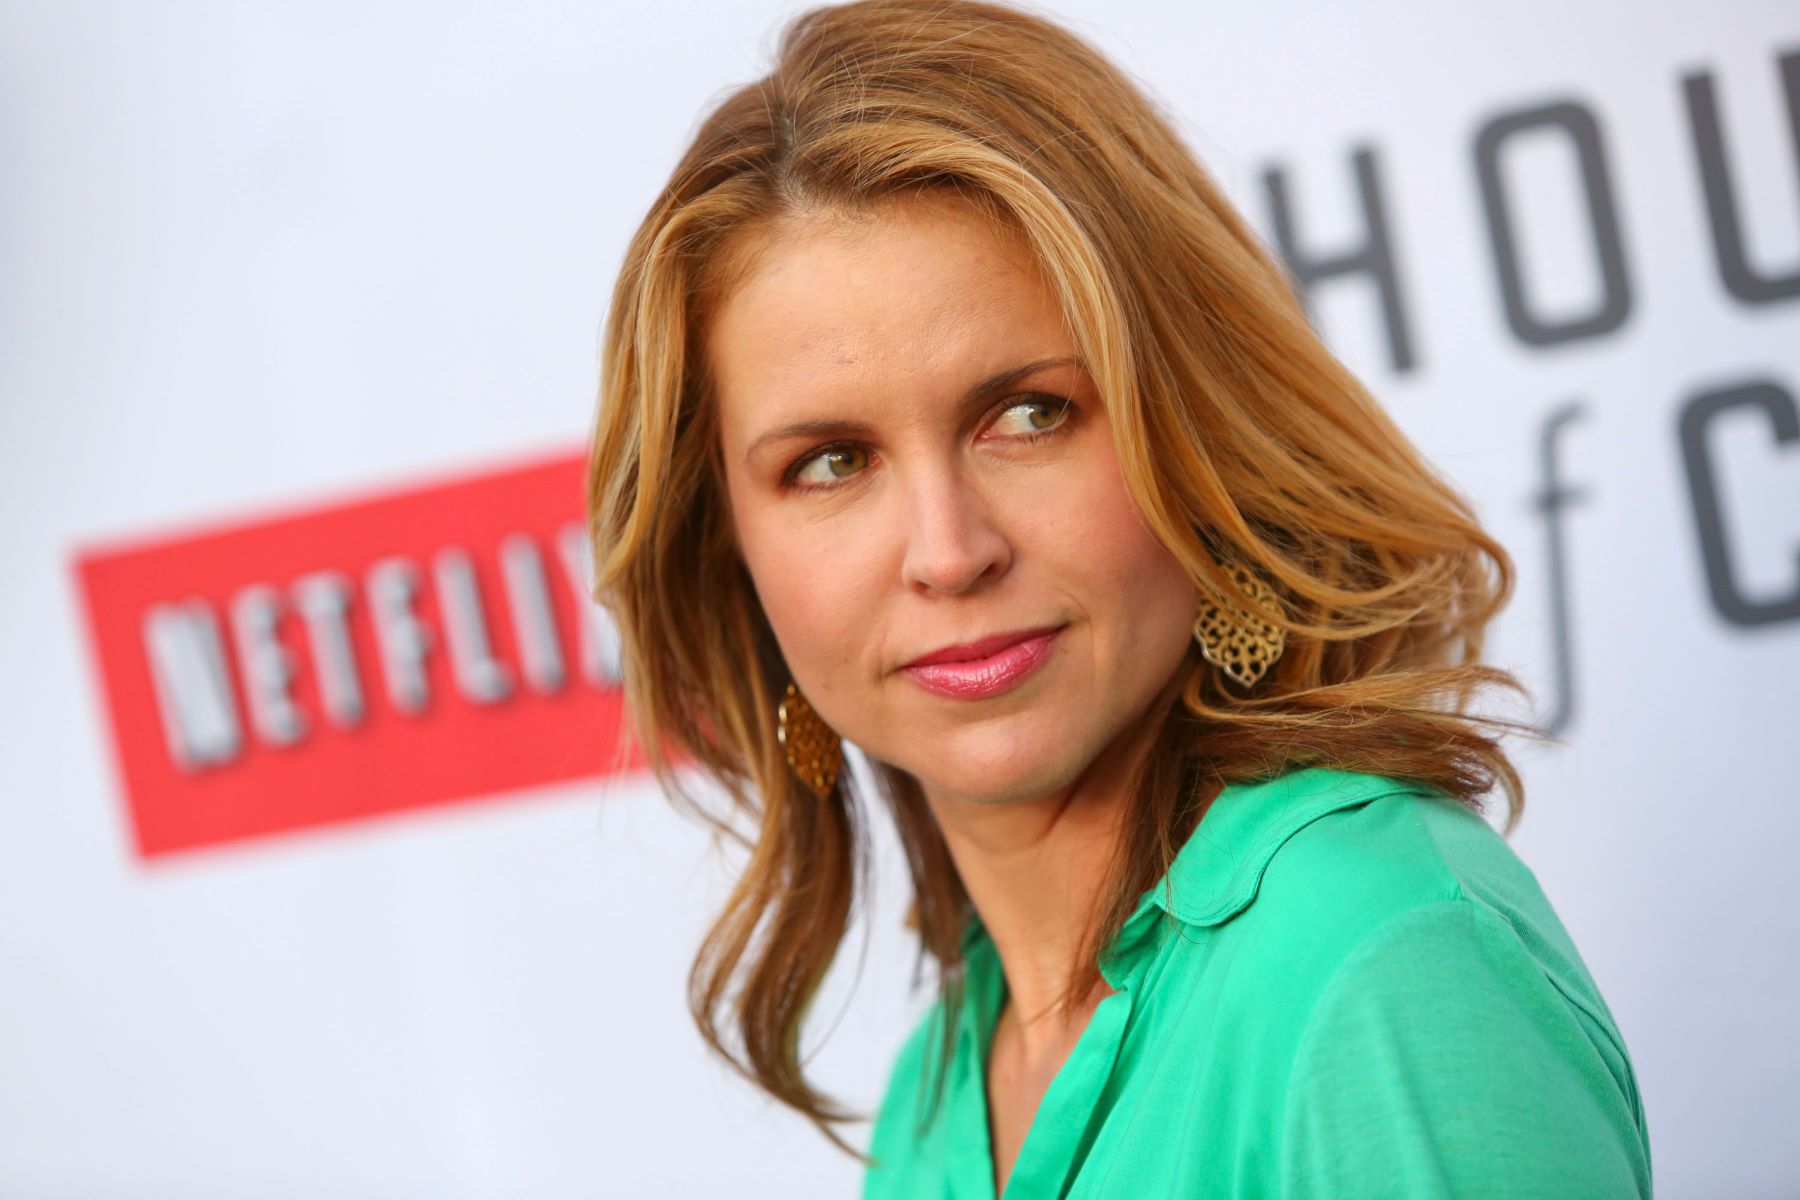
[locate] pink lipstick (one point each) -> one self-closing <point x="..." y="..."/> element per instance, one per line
<point x="984" y="668"/>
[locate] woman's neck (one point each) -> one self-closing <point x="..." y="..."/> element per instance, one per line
<point x="1034" y="871"/>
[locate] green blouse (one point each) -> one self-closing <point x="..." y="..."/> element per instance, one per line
<point x="1351" y="987"/>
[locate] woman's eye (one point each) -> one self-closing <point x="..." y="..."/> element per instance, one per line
<point x="830" y="466"/>
<point x="832" y="463"/>
<point x="1041" y="415"/>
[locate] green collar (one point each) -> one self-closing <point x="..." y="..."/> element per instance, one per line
<point x="1216" y="872"/>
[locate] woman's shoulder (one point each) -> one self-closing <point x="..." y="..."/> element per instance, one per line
<point x="1409" y="858"/>
<point x="1442" y="989"/>
<point x="1404" y="967"/>
<point x="1340" y="878"/>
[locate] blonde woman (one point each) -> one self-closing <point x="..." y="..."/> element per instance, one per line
<point x="948" y="409"/>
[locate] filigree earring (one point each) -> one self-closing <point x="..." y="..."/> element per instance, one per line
<point x="1243" y="645"/>
<point x="814" y="752"/>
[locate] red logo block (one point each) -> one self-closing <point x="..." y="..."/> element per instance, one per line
<point x="390" y="652"/>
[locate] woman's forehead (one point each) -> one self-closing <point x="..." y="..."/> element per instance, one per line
<point x="892" y="302"/>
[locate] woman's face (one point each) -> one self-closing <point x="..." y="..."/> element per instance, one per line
<point x="914" y="509"/>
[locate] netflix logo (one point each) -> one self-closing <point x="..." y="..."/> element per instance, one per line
<point x="389" y="652"/>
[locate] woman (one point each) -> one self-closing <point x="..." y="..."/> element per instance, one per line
<point x="948" y="409"/>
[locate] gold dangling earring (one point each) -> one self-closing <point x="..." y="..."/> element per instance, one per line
<point x="1241" y="644"/>
<point x="814" y="752"/>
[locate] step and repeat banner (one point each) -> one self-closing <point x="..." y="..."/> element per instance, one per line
<point x="326" y="869"/>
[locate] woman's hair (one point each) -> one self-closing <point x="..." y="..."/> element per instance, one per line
<point x="1243" y="441"/>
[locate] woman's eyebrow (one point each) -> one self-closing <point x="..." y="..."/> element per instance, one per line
<point x="832" y="427"/>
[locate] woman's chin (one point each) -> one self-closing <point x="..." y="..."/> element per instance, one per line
<point x="998" y="752"/>
<point x="1004" y="779"/>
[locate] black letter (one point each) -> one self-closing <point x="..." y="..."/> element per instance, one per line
<point x="1584" y="133"/>
<point x="1735" y="271"/>
<point x="1549" y="502"/>
<point x="1375" y="257"/>
<point x="1696" y="417"/>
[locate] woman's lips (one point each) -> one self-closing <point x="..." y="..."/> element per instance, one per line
<point x="988" y="676"/>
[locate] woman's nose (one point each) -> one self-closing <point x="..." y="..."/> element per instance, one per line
<point x="953" y="542"/>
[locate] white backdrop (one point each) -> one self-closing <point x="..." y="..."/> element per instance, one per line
<point x="263" y="256"/>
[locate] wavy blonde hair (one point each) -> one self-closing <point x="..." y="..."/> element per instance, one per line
<point x="1243" y="441"/>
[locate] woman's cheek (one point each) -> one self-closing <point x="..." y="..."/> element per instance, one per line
<point x="816" y="592"/>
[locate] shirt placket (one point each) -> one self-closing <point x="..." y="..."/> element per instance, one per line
<point x="1060" y="1128"/>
